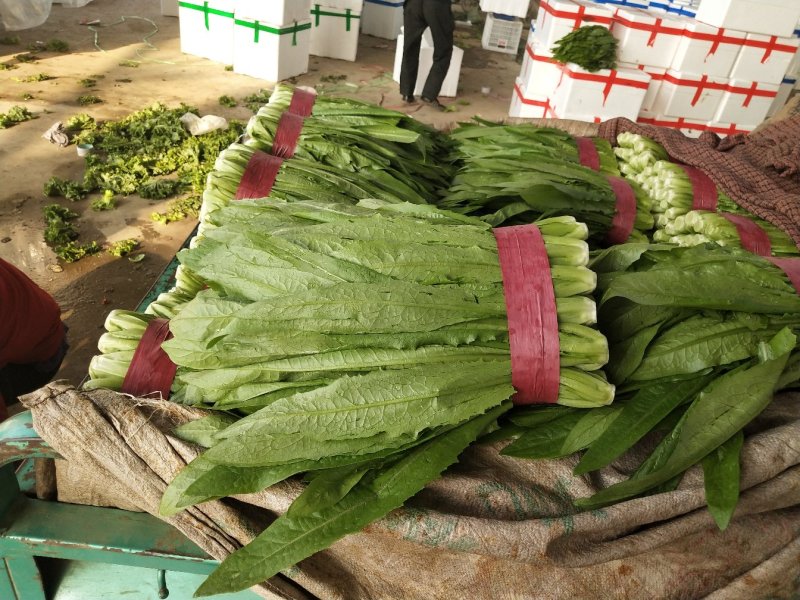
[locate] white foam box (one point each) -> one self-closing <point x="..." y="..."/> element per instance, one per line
<point x="656" y="77"/>
<point x="746" y="103"/>
<point x="512" y="8"/>
<point x="688" y="127"/>
<point x="707" y="50"/>
<point x="646" y="38"/>
<point x="382" y="18"/>
<point x="768" y="17"/>
<point x="726" y="129"/>
<point x="602" y="95"/>
<point x="270" y="52"/>
<point x="205" y="33"/>
<point x="784" y="92"/>
<point x="689" y="96"/>
<point x="169" y="8"/>
<point x="557" y="18"/>
<point x="450" y="84"/>
<point x="501" y="34"/>
<point x="764" y="58"/>
<point x="334" y="32"/>
<point x="274" y="11"/>
<point x="354" y="5"/>
<point x="540" y="73"/>
<point x="525" y="107"/>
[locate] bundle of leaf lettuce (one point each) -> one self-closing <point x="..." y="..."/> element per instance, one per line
<point x="591" y="47"/>
<point x="700" y="339"/>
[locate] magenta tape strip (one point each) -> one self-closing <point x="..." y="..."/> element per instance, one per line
<point x="259" y="176"/>
<point x="625" y="217"/>
<point x="302" y="103"/>
<point x="790" y="266"/>
<point x="703" y="189"/>
<point x="532" y="320"/>
<point x="754" y="239"/>
<point x="151" y="369"/>
<point x="587" y="153"/>
<point x="287" y="134"/>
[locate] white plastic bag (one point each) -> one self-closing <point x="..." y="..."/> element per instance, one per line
<point x="16" y="15"/>
<point x="199" y="126"/>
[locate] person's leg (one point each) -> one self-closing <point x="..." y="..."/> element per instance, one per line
<point x="413" y="27"/>
<point x="439" y="17"/>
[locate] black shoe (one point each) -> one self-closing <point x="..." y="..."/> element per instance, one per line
<point x="433" y="103"/>
<point x="409" y="100"/>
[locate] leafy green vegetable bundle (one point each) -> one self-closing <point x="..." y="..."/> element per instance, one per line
<point x="700" y="338"/>
<point x="635" y="153"/>
<point x="348" y="135"/>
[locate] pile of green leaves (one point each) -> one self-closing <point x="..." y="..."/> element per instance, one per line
<point x="591" y="47"/>
<point x="16" y="114"/>
<point x="123" y="247"/>
<point x="60" y="234"/>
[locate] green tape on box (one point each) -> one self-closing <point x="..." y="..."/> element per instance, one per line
<point x="348" y="14"/>
<point x="258" y="27"/>
<point x="206" y="10"/>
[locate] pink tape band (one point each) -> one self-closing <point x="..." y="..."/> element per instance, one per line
<point x="790" y="266"/>
<point x="302" y="103"/>
<point x="287" y="134"/>
<point x="151" y="369"/>
<point x="625" y="217"/>
<point x="754" y="239"/>
<point x="587" y="153"/>
<point x="531" y="307"/>
<point x="704" y="190"/>
<point x="259" y="176"/>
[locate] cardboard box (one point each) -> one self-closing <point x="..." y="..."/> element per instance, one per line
<point x="334" y="32"/>
<point x="707" y="50"/>
<point x="276" y="12"/>
<point x="690" y="96"/>
<point x="450" y="84"/>
<point x="523" y="107"/>
<point x="169" y="8"/>
<point x="540" y="72"/>
<point x="273" y="53"/>
<point x="782" y="97"/>
<point x="512" y="8"/>
<point x="746" y="103"/>
<point x="598" y="96"/>
<point x="768" y="17"/>
<point x="382" y="18"/>
<point x="206" y="29"/>
<point x="764" y="58"/>
<point x="688" y="127"/>
<point x="646" y="38"/>
<point x="656" y="77"/>
<point x="557" y="18"/>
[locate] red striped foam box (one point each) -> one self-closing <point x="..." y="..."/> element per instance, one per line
<point x="656" y="77"/>
<point x="689" y="127"/>
<point x="690" y="96"/>
<point x="601" y="95"/>
<point x="540" y="73"/>
<point x="767" y="17"/>
<point x="707" y="50"/>
<point x="557" y="18"/>
<point x="746" y="103"/>
<point x="646" y="38"/>
<point x="528" y="107"/>
<point x="765" y="58"/>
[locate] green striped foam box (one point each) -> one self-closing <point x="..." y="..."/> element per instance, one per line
<point x="334" y="31"/>
<point x="270" y="52"/>
<point x="206" y="28"/>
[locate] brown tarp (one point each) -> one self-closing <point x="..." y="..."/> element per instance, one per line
<point x="492" y="527"/>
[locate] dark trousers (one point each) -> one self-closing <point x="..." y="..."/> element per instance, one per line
<point x="417" y="15"/>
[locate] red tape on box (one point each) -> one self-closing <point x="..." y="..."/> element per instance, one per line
<point x="754" y="239"/>
<point x="704" y="191"/>
<point x="625" y="217"/>
<point x="151" y="369"/>
<point x="302" y="103"/>
<point x="531" y="307"/>
<point x="287" y="134"/>
<point x="259" y="176"/>
<point x="790" y="266"/>
<point x="587" y="153"/>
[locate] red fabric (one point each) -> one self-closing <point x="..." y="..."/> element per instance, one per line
<point x="30" y="320"/>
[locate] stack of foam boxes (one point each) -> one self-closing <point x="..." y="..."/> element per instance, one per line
<point x="450" y="84"/>
<point x="334" y="28"/>
<point x="267" y="40"/>
<point x="723" y="70"/>
<point x="382" y="18"/>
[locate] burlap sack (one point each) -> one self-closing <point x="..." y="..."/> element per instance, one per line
<point x="492" y="528"/>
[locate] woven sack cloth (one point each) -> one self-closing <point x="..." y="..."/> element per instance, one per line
<point x="492" y="527"/>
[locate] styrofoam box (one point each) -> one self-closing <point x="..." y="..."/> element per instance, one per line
<point x="645" y="38"/>
<point x="689" y="96"/>
<point x="211" y="39"/>
<point x="602" y="95"/>
<point x="169" y="8"/>
<point x="334" y="32"/>
<point x="746" y="102"/>
<point x="540" y="72"/>
<point x="784" y="91"/>
<point x="643" y="4"/>
<point x="354" y="5"/>
<point x="524" y="107"/>
<point x="656" y="77"/>
<point x="768" y="17"/>
<point x="707" y="50"/>
<point x="501" y="34"/>
<point x="512" y="8"/>
<point x="276" y="53"/>
<point x="552" y="22"/>
<point x="382" y="19"/>
<point x="726" y="129"/>
<point x="450" y="84"/>
<point x="688" y="127"/>
<point x="764" y="58"/>
<point x="278" y="12"/>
